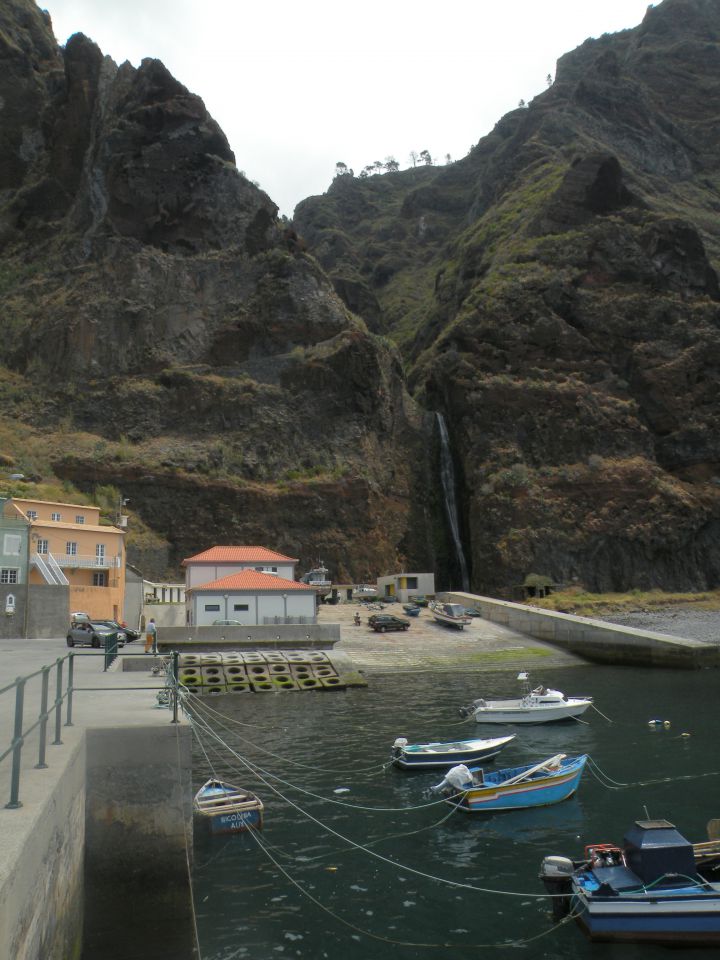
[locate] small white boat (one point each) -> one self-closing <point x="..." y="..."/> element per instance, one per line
<point x="451" y="614"/>
<point x="226" y="808"/>
<point x="538" y="705"/>
<point x="446" y="754"/>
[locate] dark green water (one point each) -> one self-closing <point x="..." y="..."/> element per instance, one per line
<point x="254" y="901"/>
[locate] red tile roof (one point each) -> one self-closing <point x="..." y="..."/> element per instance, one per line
<point x="252" y="580"/>
<point x="239" y="555"/>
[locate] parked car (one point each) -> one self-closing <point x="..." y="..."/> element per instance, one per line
<point x="91" y="633"/>
<point x="380" y="622"/>
<point x="472" y="612"/>
<point x="128" y="634"/>
<point x="228" y="623"/>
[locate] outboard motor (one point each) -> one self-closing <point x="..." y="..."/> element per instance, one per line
<point x="456" y="780"/>
<point x="397" y="747"/>
<point x="468" y="711"/>
<point x="556" y="875"/>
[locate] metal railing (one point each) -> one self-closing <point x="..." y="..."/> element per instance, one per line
<point x="75" y="561"/>
<point x="64" y="692"/>
<point x="20" y="734"/>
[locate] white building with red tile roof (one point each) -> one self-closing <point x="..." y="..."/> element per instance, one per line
<point x="249" y="597"/>
<point x="219" y="562"/>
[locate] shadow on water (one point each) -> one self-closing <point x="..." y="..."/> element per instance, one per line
<point x="297" y="890"/>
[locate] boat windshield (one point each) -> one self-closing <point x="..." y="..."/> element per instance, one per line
<point x="454" y="609"/>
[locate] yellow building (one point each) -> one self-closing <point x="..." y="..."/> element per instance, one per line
<point x="69" y="546"/>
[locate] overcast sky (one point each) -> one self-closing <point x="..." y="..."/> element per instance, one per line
<point x="298" y="86"/>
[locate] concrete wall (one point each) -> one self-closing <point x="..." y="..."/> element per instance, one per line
<point x="134" y="597"/>
<point x="595" y="640"/>
<point x="166" y="614"/>
<point x="48" y="611"/>
<point x="188" y="639"/>
<point x="46" y="616"/>
<point x="138" y="823"/>
<point x="41" y="904"/>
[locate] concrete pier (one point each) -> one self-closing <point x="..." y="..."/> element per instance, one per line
<point x="596" y="640"/>
<point x="112" y="805"/>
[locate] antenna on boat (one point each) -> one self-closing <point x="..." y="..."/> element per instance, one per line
<point x="647" y="815"/>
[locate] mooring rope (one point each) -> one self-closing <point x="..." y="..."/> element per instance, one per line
<point x="376" y="768"/>
<point x="317" y="796"/>
<point x="601" y="713"/>
<point x="193" y="911"/>
<point x="607" y="781"/>
<point x="403" y="943"/>
<point x="372" y="853"/>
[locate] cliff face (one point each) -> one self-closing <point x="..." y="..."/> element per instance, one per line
<point x="567" y="321"/>
<point x="165" y="334"/>
<point x="554" y="295"/>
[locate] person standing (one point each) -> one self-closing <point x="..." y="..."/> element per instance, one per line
<point x="151" y="637"/>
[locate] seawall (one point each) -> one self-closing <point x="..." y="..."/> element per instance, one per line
<point x="94" y="860"/>
<point x="596" y="640"/>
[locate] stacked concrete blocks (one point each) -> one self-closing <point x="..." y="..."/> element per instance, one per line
<point x="212" y="674"/>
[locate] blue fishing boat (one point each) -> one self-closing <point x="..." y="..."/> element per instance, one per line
<point x="475" y="790"/>
<point x="226" y="808"/>
<point x="657" y="887"/>
<point x="411" y="756"/>
<point x="411" y="610"/>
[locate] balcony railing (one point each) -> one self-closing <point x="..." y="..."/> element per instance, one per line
<point x="101" y="563"/>
<point x="76" y="561"/>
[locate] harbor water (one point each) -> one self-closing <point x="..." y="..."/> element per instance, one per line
<point x="357" y="862"/>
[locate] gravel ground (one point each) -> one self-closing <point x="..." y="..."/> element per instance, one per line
<point x="428" y="646"/>
<point x="691" y="624"/>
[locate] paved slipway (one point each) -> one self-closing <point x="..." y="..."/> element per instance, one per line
<point x="430" y="647"/>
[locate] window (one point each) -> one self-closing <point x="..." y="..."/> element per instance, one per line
<point x="79" y="518"/>
<point x="71" y="548"/>
<point x="8" y="575"/>
<point x="212" y="608"/>
<point x="11" y="545"/>
<point x="100" y="579"/>
<point x="241" y="606"/>
<point x="32" y="514"/>
<point x="43" y="546"/>
<point x="100" y="554"/>
<point x="412" y="583"/>
<point x="56" y="517"/>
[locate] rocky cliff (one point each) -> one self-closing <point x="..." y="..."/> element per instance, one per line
<point x="166" y="336"/>
<point x="555" y="294"/>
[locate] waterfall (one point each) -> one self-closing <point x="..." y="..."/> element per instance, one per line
<point x="447" y="476"/>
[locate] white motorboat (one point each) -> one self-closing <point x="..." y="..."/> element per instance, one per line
<point x="451" y="614"/>
<point x="538" y="705"/>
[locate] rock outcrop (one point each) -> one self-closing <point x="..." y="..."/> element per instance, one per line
<point x="556" y="297"/>
<point x="163" y="335"/>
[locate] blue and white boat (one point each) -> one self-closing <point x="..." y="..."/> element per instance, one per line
<point x="658" y="888"/>
<point x="412" y="756"/>
<point x="226" y="808"/>
<point x="411" y="609"/>
<point x="475" y="790"/>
